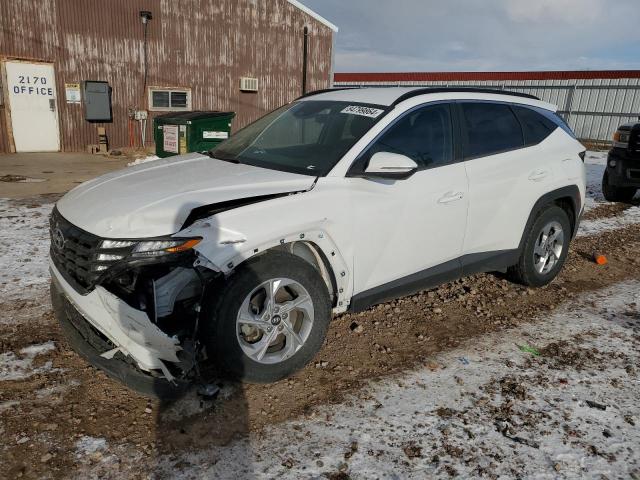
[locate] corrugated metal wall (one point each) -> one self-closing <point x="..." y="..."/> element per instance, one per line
<point x="206" y="45"/>
<point x="593" y="107"/>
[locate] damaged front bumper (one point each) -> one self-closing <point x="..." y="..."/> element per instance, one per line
<point x="117" y="338"/>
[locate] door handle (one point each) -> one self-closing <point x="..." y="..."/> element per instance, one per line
<point x="451" y="197"/>
<point x="538" y="175"/>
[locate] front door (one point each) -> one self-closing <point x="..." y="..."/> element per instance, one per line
<point x="31" y="90"/>
<point x="403" y="228"/>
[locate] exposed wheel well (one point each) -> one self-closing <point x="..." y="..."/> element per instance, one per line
<point x="568" y="198"/>
<point x="566" y="203"/>
<point x="313" y="254"/>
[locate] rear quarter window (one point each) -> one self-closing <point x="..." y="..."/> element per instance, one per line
<point x="535" y="126"/>
<point x="490" y="128"/>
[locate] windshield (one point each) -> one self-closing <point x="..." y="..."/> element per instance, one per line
<point x="307" y="137"/>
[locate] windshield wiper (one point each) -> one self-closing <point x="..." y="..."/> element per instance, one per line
<point x="221" y="157"/>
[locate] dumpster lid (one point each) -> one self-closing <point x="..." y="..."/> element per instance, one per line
<point x="197" y="115"/>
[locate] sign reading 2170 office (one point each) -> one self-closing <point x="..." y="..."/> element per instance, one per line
<point x="32" y="85"/>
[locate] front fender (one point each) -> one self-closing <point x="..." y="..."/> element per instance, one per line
<point x="223" y="249"/>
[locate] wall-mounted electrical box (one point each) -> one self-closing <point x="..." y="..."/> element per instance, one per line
<point x="97" y="101"/>
<point x="248" y="84"/>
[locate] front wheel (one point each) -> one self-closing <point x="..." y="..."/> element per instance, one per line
<point x="612" y="193"/>
<point x="270" y="319"/>
<point x="545" y="248"/>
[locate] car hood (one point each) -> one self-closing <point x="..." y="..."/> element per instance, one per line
<point x="155" y="198"/>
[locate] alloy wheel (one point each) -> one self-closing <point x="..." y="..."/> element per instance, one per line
<point x="548" y="247"/>
<point x="274" y="320"/>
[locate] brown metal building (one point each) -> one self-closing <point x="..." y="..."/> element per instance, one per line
<point x="197" y="52"/>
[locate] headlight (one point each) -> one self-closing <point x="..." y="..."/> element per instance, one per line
<point x="621" y="138"/>
<point x="115" y="250"/>
<point x="108" y="257"/>
<point x="163" y="247"/>
<point x="112" y="252"/>
<point x="116" y="243"/>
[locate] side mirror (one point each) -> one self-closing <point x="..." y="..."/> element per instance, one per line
<point x="390" y="165"/>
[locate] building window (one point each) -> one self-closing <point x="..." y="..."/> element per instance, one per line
<point x="169" y="99"/>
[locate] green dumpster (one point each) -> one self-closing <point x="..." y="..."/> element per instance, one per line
<point x="177" y="133"/>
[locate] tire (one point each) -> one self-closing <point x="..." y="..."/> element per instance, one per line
<point x="241" y="349"/>
<point x="528" y="269"/>
<point x="616" y="194"/>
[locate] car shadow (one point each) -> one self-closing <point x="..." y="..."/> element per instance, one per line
<point x="195" y="430"/>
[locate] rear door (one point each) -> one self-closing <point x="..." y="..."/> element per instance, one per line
<point x="403" y="228"/>
<point x="507" y="174"/>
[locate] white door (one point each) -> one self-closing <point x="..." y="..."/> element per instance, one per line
<point x="505" y="177"/>
<point x="32" y="99"/>
<point x="404" y="227"/>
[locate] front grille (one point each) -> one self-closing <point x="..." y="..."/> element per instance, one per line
<point x="634" y="174"/>
<point x="73" y="251"/>
<point x="76" y="253"/>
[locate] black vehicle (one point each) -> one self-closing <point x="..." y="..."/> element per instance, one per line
<point x="621" y="178"/>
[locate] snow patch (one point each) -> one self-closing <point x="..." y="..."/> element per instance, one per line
<point x="56" y="389"/>
<point x="596" y="226"/>
<point x="139" y="161"/>
<point x="14" y="367"/>
<point x="595" y="163"/>
<point x="87" y="445"/>
<point x="24" y="248"/>
<point x="505" y="412"/>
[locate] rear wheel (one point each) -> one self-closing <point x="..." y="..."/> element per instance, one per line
<point x="545" y="248"/>
<point x="616" y="194"/>
<point x="270" y="319"/>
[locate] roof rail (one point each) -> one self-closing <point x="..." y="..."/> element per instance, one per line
<point x="325" y="90"/>
<point x="425" y="90"/>
<point x="422" y="91"/>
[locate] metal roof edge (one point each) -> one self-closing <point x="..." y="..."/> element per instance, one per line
<point x="341" y="77"/>
<point x="313" y="14"/>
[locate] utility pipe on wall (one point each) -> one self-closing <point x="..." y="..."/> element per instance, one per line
<point x="305" y="50"/>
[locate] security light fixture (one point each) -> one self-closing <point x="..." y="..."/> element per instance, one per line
<point x="145" y="16"/>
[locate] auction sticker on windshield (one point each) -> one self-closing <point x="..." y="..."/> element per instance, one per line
<point x="364" y="111"/>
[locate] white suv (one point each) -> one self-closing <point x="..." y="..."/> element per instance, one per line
<point x="340" y="200"/>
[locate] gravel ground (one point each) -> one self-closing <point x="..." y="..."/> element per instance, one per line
<point x="479" y="378"/>
<point x="529" y="402"/>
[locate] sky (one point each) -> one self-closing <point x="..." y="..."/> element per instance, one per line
<point x="483" y="35"/>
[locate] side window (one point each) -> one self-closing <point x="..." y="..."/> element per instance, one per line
<point x="536" y="127"/>
<point x="424" y="135"/>
<point x="491" y="128"/>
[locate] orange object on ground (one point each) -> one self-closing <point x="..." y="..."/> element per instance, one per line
<point x="599" y="258"/>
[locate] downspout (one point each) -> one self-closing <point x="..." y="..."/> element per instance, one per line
<point x="305" y="54"/>
<point x="333" y="61"/>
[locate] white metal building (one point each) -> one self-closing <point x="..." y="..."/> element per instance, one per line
<point x="593" y="102"/>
